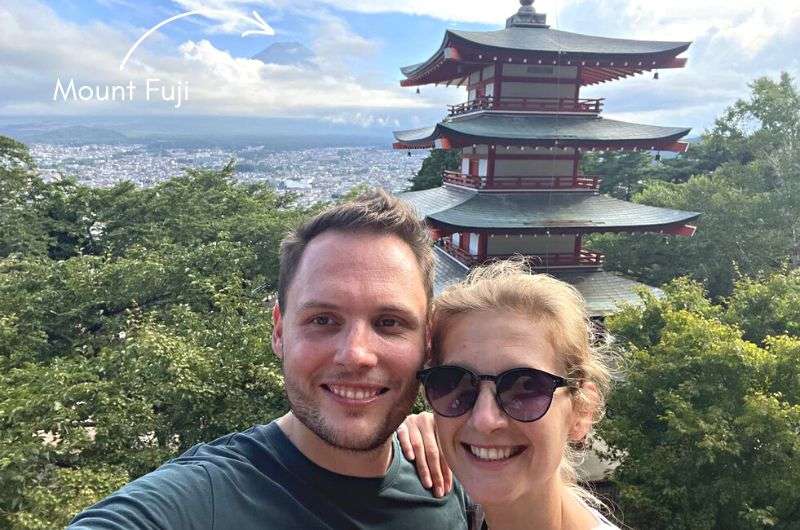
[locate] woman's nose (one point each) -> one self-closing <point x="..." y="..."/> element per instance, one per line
<point x="486" y="414"/>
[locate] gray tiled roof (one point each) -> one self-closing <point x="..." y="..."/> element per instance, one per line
<point x="523" y="128"/>
<point x="573" y="212"/>
<point x="603" y="291"/>
<point x="448" y="271"/>
<point x="546" y="40"/>
<point x="429" y="202"/>
<point x="553" y="40"/>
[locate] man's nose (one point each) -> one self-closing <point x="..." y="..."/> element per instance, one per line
<point x="356" y="348"/>
<point x="486" y="415"/>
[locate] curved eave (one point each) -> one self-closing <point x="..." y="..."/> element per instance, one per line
<point x="602" y="59"/>
<point x="547" y="40"/>
<point x="556" y="213"/>
<point x="543" y="131"/>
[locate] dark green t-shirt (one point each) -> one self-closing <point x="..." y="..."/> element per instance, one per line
<point x="259" y="479"/>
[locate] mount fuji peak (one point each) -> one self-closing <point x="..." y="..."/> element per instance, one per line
<point x="286" y="53"/>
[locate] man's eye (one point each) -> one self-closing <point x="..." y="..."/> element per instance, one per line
<point x="388" y="322"/>
<point x="322" y="320"/>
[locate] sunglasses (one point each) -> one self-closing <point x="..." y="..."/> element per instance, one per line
<point x="524" y="394"/>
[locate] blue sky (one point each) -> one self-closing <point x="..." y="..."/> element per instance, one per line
<point x="359" y="47"/>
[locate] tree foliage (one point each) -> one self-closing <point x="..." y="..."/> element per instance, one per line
<point x="132" y="326"/>
<point x="744" y="177"/>
<point x="622" y="172"/>
<point x="434" y="165"/>
<point x="705" y="423"/>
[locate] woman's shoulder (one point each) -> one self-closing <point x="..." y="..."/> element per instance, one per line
<point x="602" y="522"/>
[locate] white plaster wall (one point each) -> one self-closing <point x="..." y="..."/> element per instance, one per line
<point x="473" y="244"/>
<point x="483" y="167"/>
<point x="500" y="245"/>
<point x="512" y="89"/>
<point x="532" y="168"/>
<point x="530" y="70"/>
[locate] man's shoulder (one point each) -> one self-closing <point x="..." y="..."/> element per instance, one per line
<point x="244" y="446"/>
<point x="182" y="492"/>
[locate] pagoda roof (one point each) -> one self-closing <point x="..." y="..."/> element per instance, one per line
<point x="544" y="130"/>
<point x="454" y="208"/>
<point x="564" y="42"/>
<point x="603" y="291"/>
<point x="603" y="58"/>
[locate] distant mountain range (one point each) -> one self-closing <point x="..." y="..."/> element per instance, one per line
<point x="192" y="131"/>
<point x="71" y="135"/>
<point x="286" y="53"/>
<point x="198" y="131"/>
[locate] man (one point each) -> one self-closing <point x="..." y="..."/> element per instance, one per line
<point x="350" y="327"/>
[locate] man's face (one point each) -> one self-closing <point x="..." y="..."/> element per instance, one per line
<point x="352" y="336"/>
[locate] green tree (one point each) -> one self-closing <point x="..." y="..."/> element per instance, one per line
<point x="747" y="189"/>
<point x="704" y="423"/>
<point x="434" y="165"/>
<point x="766" y="307"/>
<point x="21" y="218"/>
<point x="135" y="327"/>
<point x="622" y="173"/>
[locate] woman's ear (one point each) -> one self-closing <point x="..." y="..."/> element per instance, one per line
<point x="583" y="411"/>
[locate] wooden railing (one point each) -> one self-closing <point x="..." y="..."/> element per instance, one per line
<point x="455" y="177"/>
<point x="457" y="252"/>
<point x="589" y="106"/>
<point x="522" y="183"/>
<point x="583" y="258"/>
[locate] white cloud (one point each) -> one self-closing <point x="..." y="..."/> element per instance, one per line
<point x="735" y="41"/>
<point x="31" y="61"/>
<point x="361" y="119"/>
<point x="226" y="84"/>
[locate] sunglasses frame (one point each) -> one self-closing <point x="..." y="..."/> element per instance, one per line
<point x="557" y="382"/>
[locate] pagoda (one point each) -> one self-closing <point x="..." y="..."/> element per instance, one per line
<point x="522" y="132"/>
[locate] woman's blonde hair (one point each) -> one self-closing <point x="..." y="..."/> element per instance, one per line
<point x="509" y="285"/>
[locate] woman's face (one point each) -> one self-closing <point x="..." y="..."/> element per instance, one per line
<point x="474" y="444"/>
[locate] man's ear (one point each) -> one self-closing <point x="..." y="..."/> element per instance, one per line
<point x="277" y="331"/>
<point x="583" y="412"/>
<point x="428" y="342"/>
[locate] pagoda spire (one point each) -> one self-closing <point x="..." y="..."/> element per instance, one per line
<point x="527" y="17"/>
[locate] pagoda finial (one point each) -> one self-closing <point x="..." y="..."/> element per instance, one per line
<point x="527" y="17"/>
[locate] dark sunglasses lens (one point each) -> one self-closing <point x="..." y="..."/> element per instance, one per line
<point x="525" y="395"/>
<point x="451" y="391"/>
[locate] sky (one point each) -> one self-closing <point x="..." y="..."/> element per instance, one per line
<point x="358" y="47"/>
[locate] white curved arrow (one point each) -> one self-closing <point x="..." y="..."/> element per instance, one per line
<point x="263" y="28"/>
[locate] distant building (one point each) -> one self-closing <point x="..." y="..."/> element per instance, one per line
<point x="522" y="132"/>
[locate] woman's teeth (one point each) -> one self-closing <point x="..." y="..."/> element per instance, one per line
<point x="491" y="453"/>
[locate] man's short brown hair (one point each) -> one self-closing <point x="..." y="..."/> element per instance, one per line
<point x="373" y="212"/>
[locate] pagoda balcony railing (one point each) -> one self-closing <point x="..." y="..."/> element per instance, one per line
<point x="581" y="259"/>
<point x="588" y="106"/>
<point x="584" y="258"/>
<point x="522" y="183"/>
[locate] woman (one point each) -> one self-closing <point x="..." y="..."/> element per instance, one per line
<point x="515" y="385"/>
